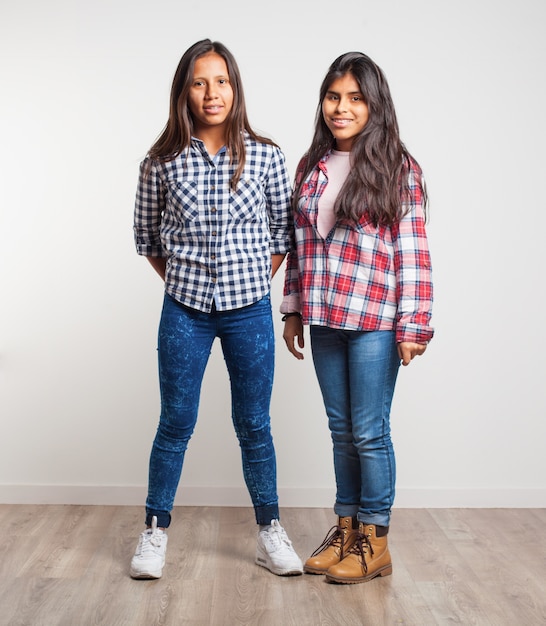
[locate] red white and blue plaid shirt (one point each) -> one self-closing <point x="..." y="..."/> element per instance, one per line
<point x="218" y="242"/>
<point x="362" y="277"/>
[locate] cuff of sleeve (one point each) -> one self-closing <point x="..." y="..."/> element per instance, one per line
<point x="414" y="334"/>
<point x="149" y="250"/>
<point x="279" y="247"/>
<point x="290" y="304"/>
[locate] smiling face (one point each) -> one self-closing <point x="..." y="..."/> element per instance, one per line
<point x="210" y="97"/>
<point x="344" y="111"/>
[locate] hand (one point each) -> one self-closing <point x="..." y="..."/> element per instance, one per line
<point x="293" y="329"/>
<point x="408" y="349"/>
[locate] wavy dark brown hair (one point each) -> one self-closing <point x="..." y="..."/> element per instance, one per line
<point x="176" y="136"/>
<point x="378" y="181"/>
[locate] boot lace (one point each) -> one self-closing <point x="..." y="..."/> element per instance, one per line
<point x="334" y="537"/>
<point x="361" y="547"/>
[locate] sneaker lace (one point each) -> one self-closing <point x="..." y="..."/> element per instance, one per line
<point x="277" y="536"/>
<point x="149" y="542"/>
<point x="333" y="538"/>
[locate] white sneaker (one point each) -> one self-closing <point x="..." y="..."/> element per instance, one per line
<point x="149" y="557"/>
<point x="275" y="552"/>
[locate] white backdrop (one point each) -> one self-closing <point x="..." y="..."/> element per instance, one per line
<point x="83" y="94"/>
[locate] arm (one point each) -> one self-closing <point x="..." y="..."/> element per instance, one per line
<point x="276" y="261"/>
<point x="149" y="205"/>
<point x="293" y="326"/>
<point x="413" y="275"/>
<point x="277" y="192"/>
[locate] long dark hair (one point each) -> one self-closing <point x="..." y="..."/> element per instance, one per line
<point x="377" y="183"/>
<point x="176" y="135"/>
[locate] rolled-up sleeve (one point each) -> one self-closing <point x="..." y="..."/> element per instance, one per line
<point x="278" y="204"/>
<point x="149" y="206"/>
<point x="291" y="274"/>
<point x="413" y="269"/>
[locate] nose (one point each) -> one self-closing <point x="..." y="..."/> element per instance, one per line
<point x="341" y="105"/>
<point x="210" y="93"/>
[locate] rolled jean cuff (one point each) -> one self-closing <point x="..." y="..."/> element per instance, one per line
<point x="163" y="518"/>
<point x="377" y="519"/>
<point x="346" y="510"/>
<point x="264" y="514"/>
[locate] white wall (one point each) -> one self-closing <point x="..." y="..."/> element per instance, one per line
<point x="83" y="94"/>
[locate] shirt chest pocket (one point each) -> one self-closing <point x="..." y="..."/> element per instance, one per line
<point x="182" y="200"/>
<point x="247" y="202"/>
<point x="306" y="213"/>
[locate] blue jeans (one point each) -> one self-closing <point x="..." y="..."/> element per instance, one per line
<point x="184" y="345"/>
<point x="357" y="374"/>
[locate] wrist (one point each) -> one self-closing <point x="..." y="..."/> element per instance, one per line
<point x="292" y="314"/>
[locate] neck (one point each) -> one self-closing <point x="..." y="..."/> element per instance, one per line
<point x="214" y="138"/>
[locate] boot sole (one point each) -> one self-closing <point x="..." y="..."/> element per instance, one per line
<point x="384" y="571"/>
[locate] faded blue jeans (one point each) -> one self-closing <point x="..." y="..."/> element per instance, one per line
<point x="184" y="345"/>
<point x="357" y="374"/>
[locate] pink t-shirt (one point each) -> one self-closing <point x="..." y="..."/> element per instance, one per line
<point x="338" y="165"/>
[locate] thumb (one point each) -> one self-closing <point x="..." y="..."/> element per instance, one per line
<point x="405" y="354"/>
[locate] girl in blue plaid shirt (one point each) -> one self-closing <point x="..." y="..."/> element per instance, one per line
<point x="212" y="216"/>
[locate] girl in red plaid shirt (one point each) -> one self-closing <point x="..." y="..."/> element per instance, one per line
<point x="360" y="277"/>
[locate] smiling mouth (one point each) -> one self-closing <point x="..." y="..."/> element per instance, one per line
<point x="213" y="109"/>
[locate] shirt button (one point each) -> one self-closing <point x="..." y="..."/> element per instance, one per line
<point x="212" y="256"/>
<point x="214" y="233"/>
<point x="213" y="209"/>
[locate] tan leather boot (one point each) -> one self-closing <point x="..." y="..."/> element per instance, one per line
<point x="334" y="547"/>
<point x="367" y="558"/>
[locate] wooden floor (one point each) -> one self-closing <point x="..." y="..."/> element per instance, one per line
<point x="68" y="565"/>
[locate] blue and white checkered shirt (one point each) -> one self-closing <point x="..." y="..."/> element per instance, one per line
<point x="218" y="242"/>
